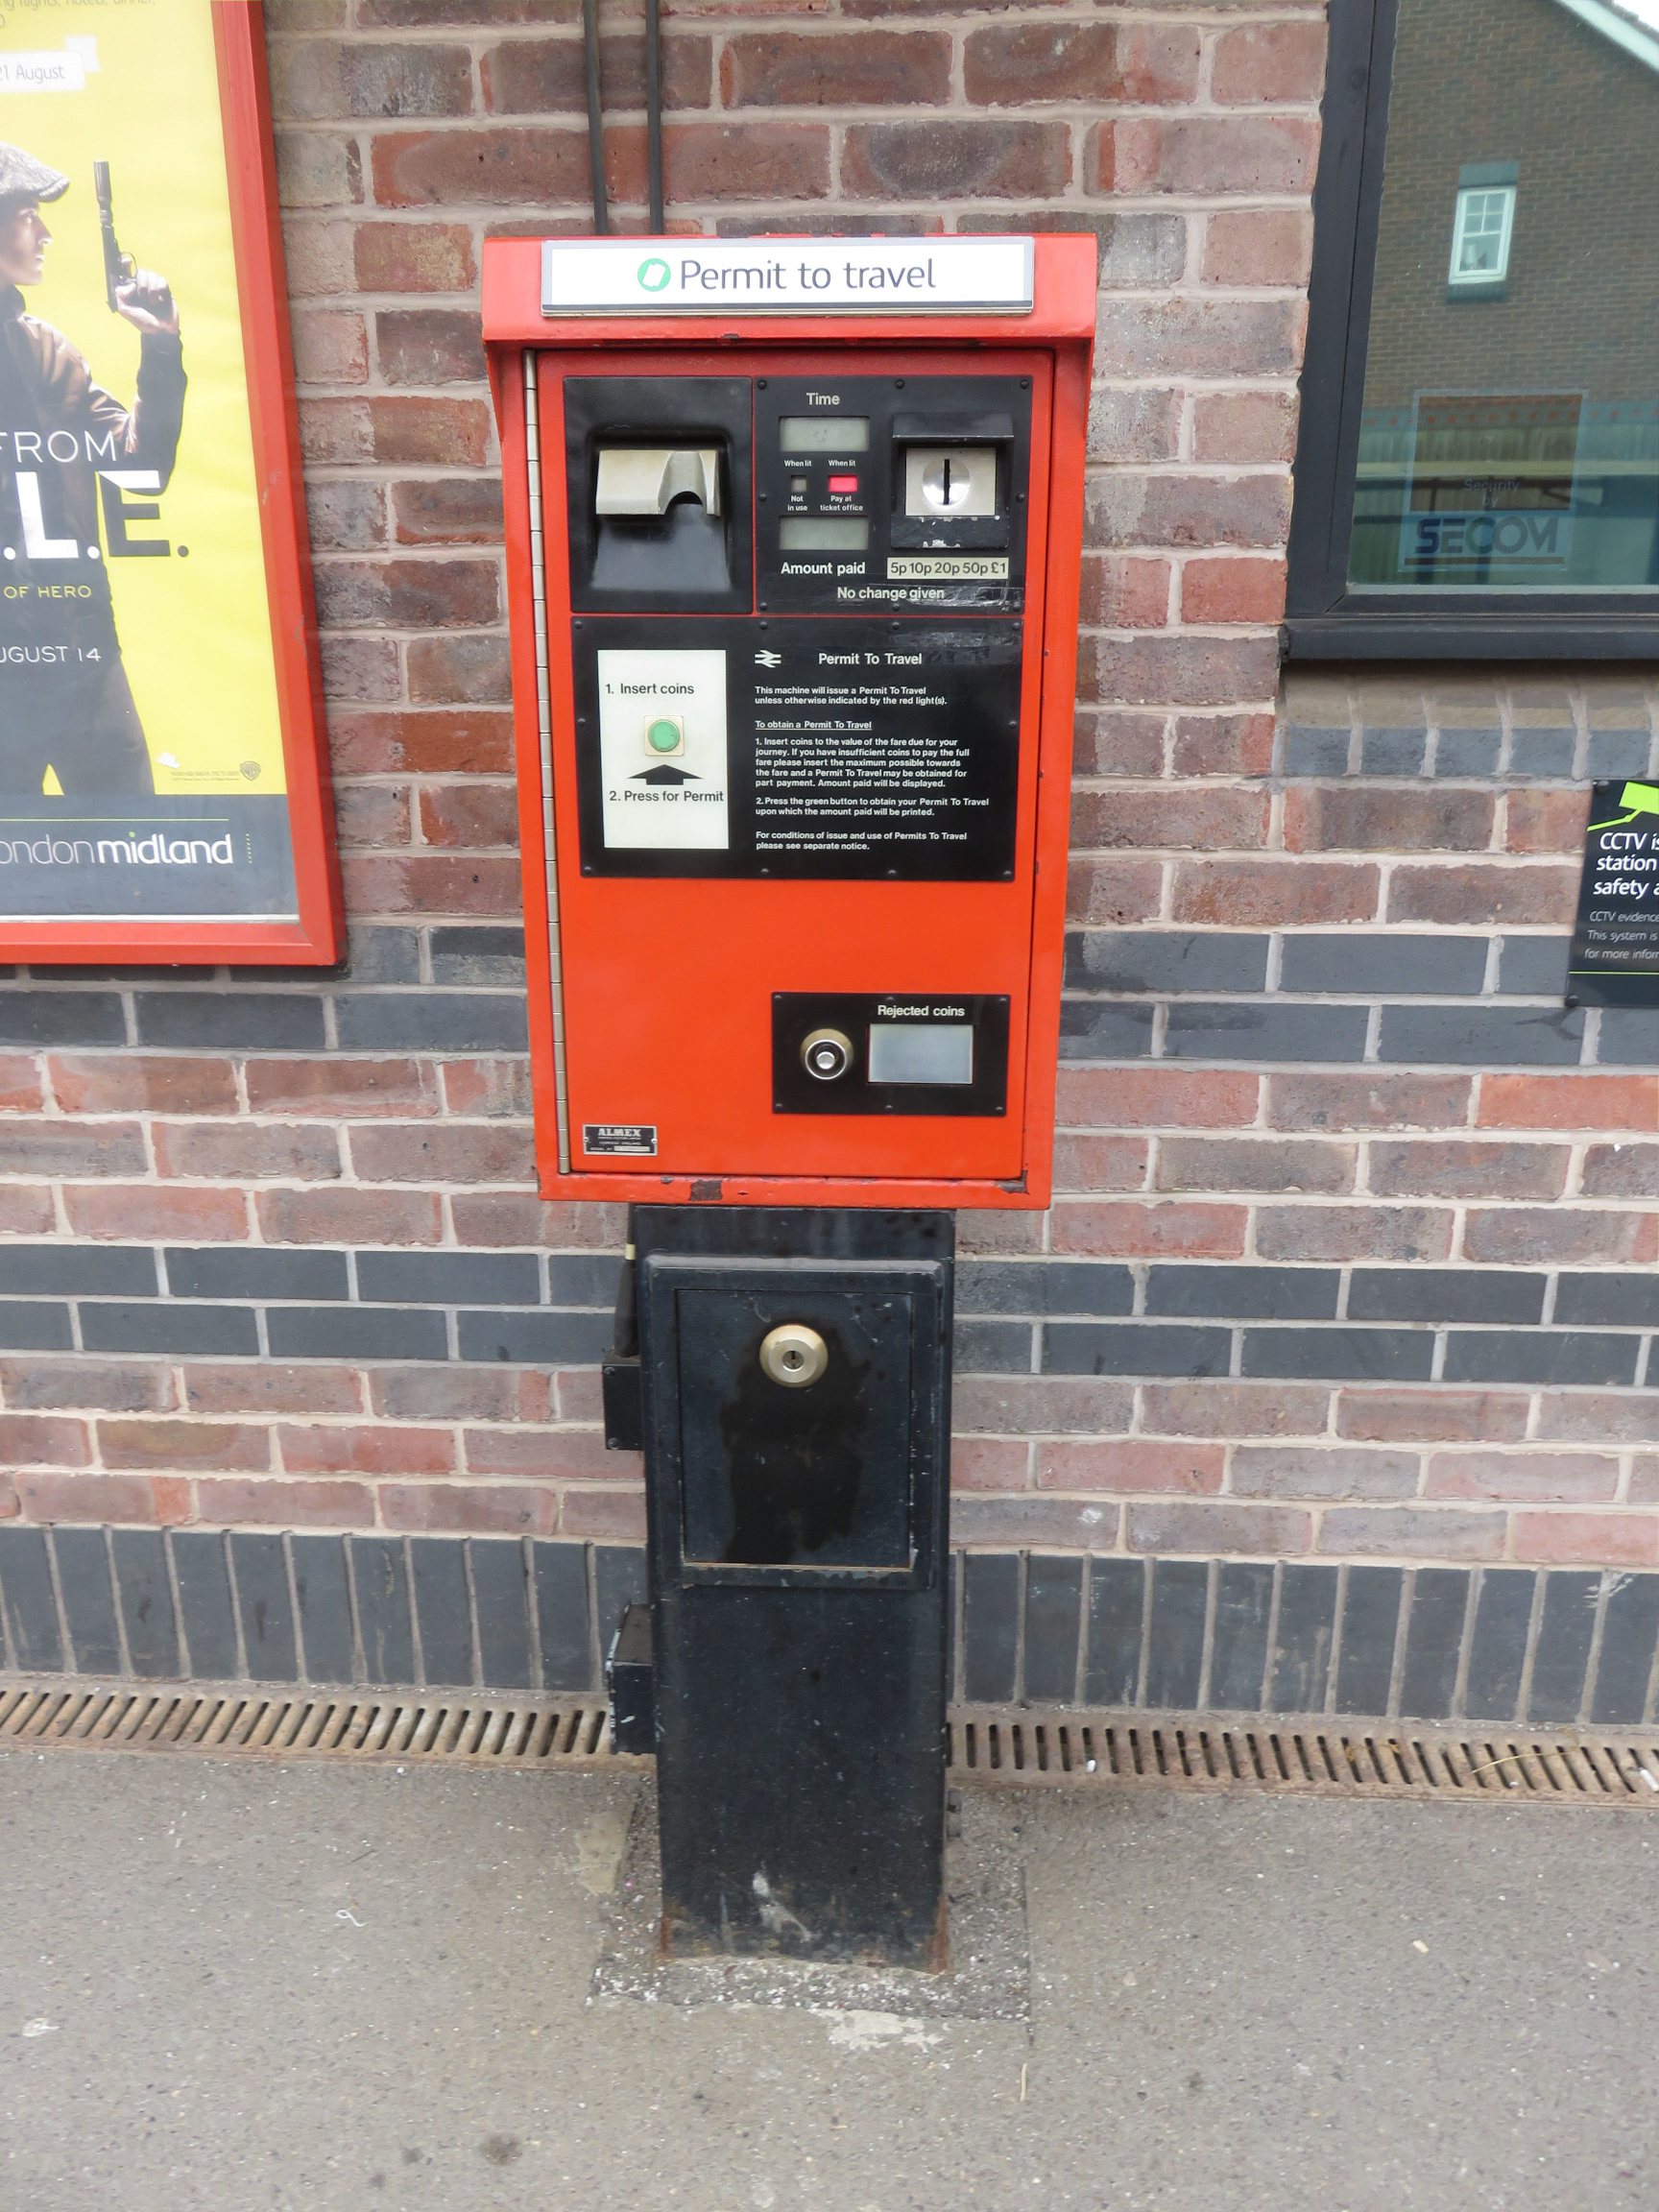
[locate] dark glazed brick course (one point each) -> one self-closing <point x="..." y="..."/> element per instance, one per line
<point x="259" y="1571"/>
<point x="71" y="1270"/>
<point x="1096" y="1029"/>
<point x="583" y="1279"/>
<point x="1253" y="1293"/>
<point x="437" y="1567"/>
<point x="1299" y="1664"/>
<point x="1150" y="960"/>
<point x="455" y="1612"/>
<point x="1379" y="1355"/>
<point x="560" y="1576"/>
<point x="1629" y="1038"/>
<point x="201" y="1567"/>
<point x="541" y="1338"/>
<point x="1628" y="1301"/>
<point x="1107" y="1348"/>
<point x="26" y="1327"/>
<point x="1384" y="964"/>
<point x="1533" y="966"/>
<point x="488" y="955"/>
<point x="432" y="1022"/>
<point x="1043" y="1287"/>
<point x="1434" y="1621"/>
<point x="1289" y="1032"/>
<point x="1540" y="1356"/>
<point x="990" y="1627"/>
<point x="1310" y="751"/>
<point x="1175" y="1640"/>
<point x="1483" y="1035"/>
<point x="1243" y="1608"/>
<point x="251" y="1020"/>
<point x="169" y="1326"/>
<point x="1444" y="1294"/>
<point x="1053" y="1617"/>
<point x="1498" y="1649"/>
<point x="89" y="1600"/>
<point x="355" y="1333"/>
<point x="60" y="1018"/>
<point x="1370" y="1628"/>
<point x="993" y="1347"/>
<point x="321" y="1589"/>
<point x="380" y="1586"/>
<point x="1468" y="753"/>
<point x="450" y="1278"/>
<point x="1561" y="1654"/>
<point x="139" y="1559"/>
<point x="1112" y="1658"/>
<point x="1392" y="752"/>
<point x="501" y="1603"/>
<point x="28" y="1606"/>
<point x="217" y="1273"/>
<point x="1544" y="753"/>
<point x="1629" y="1641"/>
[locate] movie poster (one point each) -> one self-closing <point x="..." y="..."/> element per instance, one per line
<point x="141" y="741"/>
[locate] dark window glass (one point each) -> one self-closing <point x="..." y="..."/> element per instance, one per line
<point x="1481" y="428"/>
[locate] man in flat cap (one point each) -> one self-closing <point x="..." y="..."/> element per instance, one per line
<point x="64" y="700"/>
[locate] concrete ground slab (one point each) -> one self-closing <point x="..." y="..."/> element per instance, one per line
<point x="232" y="1986"/>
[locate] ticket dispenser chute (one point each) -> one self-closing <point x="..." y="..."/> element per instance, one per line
<point x="793" y="536"/>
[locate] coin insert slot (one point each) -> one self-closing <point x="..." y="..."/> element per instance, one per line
<point x="956" y="482"/>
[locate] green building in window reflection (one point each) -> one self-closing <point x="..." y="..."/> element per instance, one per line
<point x="1510" y="432"/>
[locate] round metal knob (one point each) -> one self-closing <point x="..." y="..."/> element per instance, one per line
<point x="794" y="1354"/>
<point x="826" y="1055"/>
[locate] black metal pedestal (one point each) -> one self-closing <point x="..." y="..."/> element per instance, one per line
<point x="797" y="1543"/>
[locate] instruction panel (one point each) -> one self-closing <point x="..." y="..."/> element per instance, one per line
<point x="798" y="749"/>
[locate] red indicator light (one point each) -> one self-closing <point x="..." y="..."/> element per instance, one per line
<point x="843" y="483"/>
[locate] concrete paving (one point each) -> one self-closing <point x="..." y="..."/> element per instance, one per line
<point x="227" y="1987"/>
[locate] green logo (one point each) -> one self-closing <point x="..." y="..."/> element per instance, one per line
<point x="654" y="275"/>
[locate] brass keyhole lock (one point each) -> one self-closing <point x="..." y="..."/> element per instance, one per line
<point x="794" y="1354"/>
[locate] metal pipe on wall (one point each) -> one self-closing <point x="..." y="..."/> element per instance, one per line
<point x="653" y="110"/>
<point x="595" y="118"/>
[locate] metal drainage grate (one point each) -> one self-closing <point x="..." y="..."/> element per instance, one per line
<point x="468" y="1731"/>
<point x="1002" y="1745"/>
<point x="1358" y="1759"/>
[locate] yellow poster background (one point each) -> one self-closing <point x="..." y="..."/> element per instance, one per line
<point x="195" y="627"/>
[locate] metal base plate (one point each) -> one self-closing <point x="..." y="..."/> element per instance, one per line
<point x="989" y="1974"/>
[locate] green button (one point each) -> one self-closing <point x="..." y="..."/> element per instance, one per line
<point x="664" y="736"/>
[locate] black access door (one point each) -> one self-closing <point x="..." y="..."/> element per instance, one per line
<point x="797" y="1585"/>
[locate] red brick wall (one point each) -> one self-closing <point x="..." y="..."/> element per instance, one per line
<point x="1246" y="1148"/>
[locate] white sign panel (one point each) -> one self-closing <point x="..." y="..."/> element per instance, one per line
<point x="662" y="750"/>
<point x="786" y="276"/>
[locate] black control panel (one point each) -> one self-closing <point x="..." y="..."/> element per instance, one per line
<point x="891" y="493"/>
<point x="859" y="1052"/>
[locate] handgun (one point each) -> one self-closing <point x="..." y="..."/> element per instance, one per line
<point x="118" y="268"/>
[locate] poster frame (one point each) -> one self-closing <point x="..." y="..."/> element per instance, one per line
<point x="316" y="938"/>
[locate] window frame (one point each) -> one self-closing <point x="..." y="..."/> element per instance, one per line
<point x="1326" y="619"/>
<point x="1482" y="283"/>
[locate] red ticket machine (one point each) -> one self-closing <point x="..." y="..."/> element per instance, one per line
<point x="793" y="533"/>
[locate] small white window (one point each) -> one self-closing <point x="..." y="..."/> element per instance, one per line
<point x="1481" y="234"/>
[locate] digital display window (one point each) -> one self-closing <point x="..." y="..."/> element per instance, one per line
<point x="822" y="534"/>
<point x="824" y="433"/>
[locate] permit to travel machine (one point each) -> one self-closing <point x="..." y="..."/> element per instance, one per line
<point x="793" y="541"/>
<point x="793" y="534"/>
